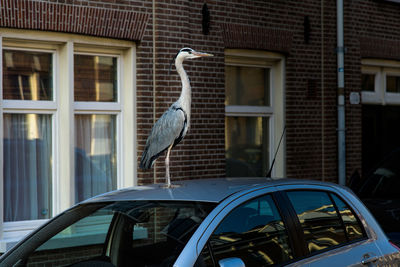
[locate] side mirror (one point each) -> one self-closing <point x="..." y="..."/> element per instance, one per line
<point x="231" y="262"/>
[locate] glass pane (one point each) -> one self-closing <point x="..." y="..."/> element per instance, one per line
<point x="90" y="231"/>
<point x="95" y="78"/>
<point x="27" y="75"/>
<point x="321" y="224"/>
<point x="123" y="233"/>
<point x="393" y="84"/>
<point x="246" y="146"/>
<point x="27" y="155"/>
<point x="354" y="229"/>
<point x="95" y="155"/>
<point x="368" y="82"/>
<point x="247" y="86"/>
<point x="254" y="232"/>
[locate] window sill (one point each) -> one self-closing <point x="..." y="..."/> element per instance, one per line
<point x="7" y="244"/>
<point x="13" y="232"/>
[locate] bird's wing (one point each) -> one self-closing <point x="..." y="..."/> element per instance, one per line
<point x="165" y="131"/>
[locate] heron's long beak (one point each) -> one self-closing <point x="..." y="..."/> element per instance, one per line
<point x="201" y="54"/>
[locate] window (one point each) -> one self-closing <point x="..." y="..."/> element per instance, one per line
<point x="95" y="83"/>
<point x="28" y="115"/>
<point x="254" y="111"/>
<point x="253" y="232"/>
<point x="325" y="223"/>
<point x="380" y="111"/>
<point x="62" y="116"/>
<point x="152" y="233"/>
<point x="380" y="82"/>
<point x="353" y="227"/>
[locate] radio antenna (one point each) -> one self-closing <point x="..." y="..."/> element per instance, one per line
<point x="276" y="152"/>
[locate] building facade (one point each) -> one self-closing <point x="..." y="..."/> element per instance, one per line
<point x="84" y="81"/>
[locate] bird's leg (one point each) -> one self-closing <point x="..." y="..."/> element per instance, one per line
<point x="167" y="166"/>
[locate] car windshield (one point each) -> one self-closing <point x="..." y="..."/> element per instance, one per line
<point x="146" y="233"/>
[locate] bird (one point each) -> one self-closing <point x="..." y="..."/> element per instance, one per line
<point x="174" y="123"/>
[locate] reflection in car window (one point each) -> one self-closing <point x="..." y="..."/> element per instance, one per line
<point x="148" y="233"/>
<point x="353" y="227"/>
<point x="322" y="226"/>
<point x="253" y="232"/>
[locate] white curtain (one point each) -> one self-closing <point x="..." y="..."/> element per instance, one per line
<point x="27" y="140"/>
<point x="95" y="155"/>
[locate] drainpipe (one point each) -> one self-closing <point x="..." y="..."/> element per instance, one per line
<point x="154" y="80"/>
<point x="341" y="99"/>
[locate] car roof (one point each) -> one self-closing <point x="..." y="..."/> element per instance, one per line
<point x="204" y="190"/>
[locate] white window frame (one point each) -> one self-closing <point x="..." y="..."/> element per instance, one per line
<point x="14" y="229"/>
<point x="63" y="108"/>
<point x="381" y="69"/>
<point x="275" y="111"/>
<point x="106" y="108"/>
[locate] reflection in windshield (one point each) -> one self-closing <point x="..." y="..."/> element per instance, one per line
<point x="150" y="232"/>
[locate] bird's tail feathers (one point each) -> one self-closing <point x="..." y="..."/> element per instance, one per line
<point x="145" y="162"/>
<point x="148" y="160"/>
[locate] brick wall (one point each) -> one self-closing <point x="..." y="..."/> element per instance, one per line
<point x="201" y="153"/>
<point x="203" y="147"/>
<point x="371" y="31"/>
<point x="275" y="25"/>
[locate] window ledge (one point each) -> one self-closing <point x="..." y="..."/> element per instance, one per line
<point x="13" y="232"/>
<point x="7" y="244"/>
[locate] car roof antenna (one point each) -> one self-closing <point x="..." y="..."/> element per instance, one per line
<point x="276" y="152"/>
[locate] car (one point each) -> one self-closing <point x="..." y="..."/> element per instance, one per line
<point x="379" y="191"/>
<point x="212" y="222"/>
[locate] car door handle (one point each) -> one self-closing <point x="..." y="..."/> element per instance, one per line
<point x="368" y="258"/>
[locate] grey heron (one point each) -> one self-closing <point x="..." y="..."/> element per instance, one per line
<point x="173" y="125"/>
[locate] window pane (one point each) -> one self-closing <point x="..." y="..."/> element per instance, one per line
<point x="247" y="86"/>
<point x="95" y="155"/>
<point x="27" y="155"/>
<point x="254" y="232"/>
<point x="321" y="224"/>
<point x="91" y="231"/>
<point x="393" y="84"/>
<point x="27" y="75"/>
<point x="354" y="229"/>
<point x="246" y="146"/>
<point x="123" y="233"/>
<point x="368" y="82"/>
<point x="95" y="78"/>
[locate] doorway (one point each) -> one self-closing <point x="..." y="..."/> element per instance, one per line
<point x="380" y="134"/>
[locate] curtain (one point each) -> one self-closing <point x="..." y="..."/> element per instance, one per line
<point x="27" y="154"/>
<point x="95" y="155"/>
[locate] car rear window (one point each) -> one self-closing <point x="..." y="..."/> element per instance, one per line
<point x="325" y="219"/>
<point x="353" y="227"/>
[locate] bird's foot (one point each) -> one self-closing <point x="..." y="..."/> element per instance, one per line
<point x="170" y="185"/>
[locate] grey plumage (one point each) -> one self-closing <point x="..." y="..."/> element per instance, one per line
<point x="172" y="126"/>
<point x="169" y="129"/>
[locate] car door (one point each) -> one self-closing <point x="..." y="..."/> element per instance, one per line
<point x="253" y="233"/>
<point x="332" y="232"/>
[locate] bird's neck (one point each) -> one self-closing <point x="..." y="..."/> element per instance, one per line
<point x="185" y="99"/>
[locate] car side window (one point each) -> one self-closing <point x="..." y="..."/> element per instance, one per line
<point x="253" y="232"/>
<point x="325" y="224"/>
<point x="354" y="229"/>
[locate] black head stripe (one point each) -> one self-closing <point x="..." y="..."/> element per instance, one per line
<point x="189" y="50"/>
<point x="172" y="62"/>
<point x="185" y="49"/>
